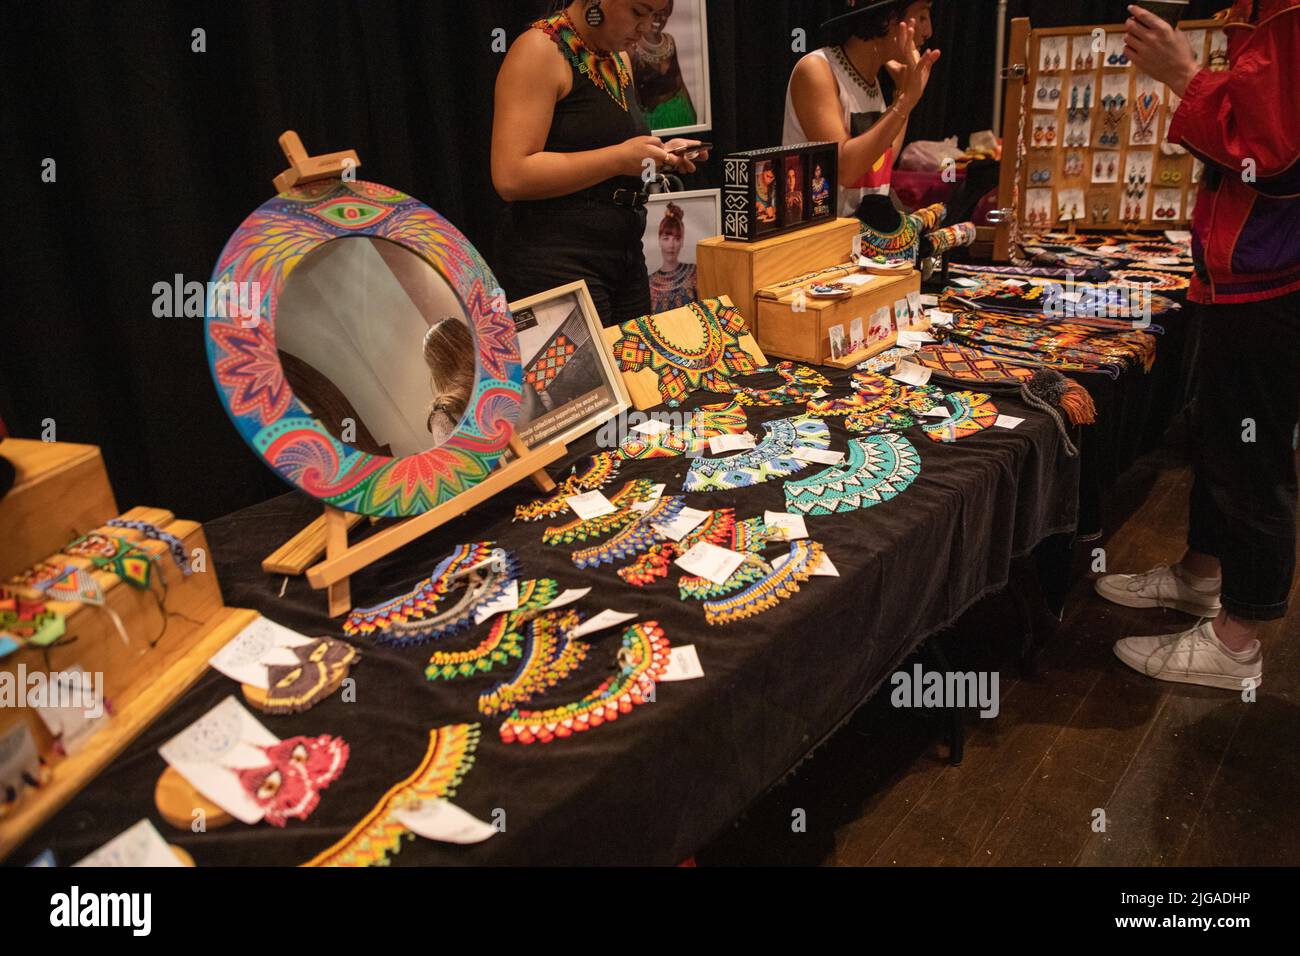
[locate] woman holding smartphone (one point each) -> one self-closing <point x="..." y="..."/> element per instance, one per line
<point x="572" y="155"/>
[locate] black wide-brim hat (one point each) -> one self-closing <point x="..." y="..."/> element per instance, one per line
<point x="859" y="8"/>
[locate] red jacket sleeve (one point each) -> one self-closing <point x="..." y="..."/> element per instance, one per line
<point x="1251" y="111"/>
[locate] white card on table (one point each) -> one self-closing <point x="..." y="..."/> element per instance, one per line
<point x="604" y="619"/>
<point x="913" y="340"/>
<point x="76" y="711"/>
<point x="939" y="319"/>
<point x="1007" y="421"/>
<point x="508" y="601"/>
<point x="710" y="561"/>
<point x="209" y="751"/>
<point x="939" y="411"/>
<point x="719" y="444"/>
<point x="914" y="303"/>
<point x="1178" y="235"/>
<point x="929" y="299"/>
<point x="245" y="657"/>
<point x="902" y="313"/>
<point x="683" y="664"/>
<point x="141" y="845"/>
<point x="966" y="283"/>
<point x="445" y="822"/>
<point x="792" y="525"/>
<point x="652" y="427"/>
<point x="687" y="520"/>
<point x="567" y="597"/>
<point x="856" y="278"/>
<point x="591" y="504"/>
<point x="816" y="456"/>
<point x="1167" y="261"/>
<point x="1017" y="283"/>
<point x="911" y="374"/>
<point x="656" y="492"/>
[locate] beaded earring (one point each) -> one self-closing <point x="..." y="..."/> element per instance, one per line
<point x="595" y="15"/>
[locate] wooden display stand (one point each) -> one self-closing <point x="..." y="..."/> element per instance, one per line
<point x="739" y="269"/>
<point x="1023" y="157"/>
<point x="328" y="534"/>
<point x="142" y="677"/>
<point x="61" y="491"/>
<point x="795" y="325"/>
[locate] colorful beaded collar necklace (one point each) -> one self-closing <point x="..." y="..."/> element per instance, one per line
<point x="801" y="383"/>
<point x="771" y="458"/>
<point x="606" y="70"/>
<point x="972" y="412"/>
<point x="878" y="468"/>
<point x="771" y="589"/>
<point x="637" y="537"/>
<point x="505" y="639"/>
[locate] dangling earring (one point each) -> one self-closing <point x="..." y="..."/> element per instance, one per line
<point x="595" y="15"/>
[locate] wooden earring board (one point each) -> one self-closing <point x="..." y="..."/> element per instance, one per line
<point x="328" y="535"/>
<point x="1025" y="112"/>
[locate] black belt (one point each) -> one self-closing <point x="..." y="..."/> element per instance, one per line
<point x="621" y="196"/>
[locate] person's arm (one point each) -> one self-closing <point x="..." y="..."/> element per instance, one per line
<point x="1246" y="113"/>
<point x="530" y="82"/>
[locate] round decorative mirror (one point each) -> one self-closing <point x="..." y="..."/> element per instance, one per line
<point x="360" y="347"/>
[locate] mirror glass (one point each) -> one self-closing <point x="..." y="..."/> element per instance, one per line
<point x="376" y="343"/>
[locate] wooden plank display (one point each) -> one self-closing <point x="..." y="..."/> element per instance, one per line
<point x="1092" y="139"/>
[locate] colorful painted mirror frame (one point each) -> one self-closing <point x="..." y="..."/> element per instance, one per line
<point x="265" y="250"/>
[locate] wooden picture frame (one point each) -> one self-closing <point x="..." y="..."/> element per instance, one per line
<point x="756" y="208"/>
<point x="571" y="340"/>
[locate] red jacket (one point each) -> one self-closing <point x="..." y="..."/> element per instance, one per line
<point x="1246" y="234"/>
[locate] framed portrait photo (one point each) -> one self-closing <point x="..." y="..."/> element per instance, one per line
<point x="675" y="224"/>
<point x="671" y="69"/>
<point x="571" y="386"/>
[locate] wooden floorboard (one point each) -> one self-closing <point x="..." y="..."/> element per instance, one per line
<point x="1185" y="775"/>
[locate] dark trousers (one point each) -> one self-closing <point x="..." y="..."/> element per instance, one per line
<point x="541" y="245"/>
<point x="1243" y="426"/>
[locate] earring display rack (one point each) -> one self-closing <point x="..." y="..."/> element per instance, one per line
<point x="1091" y="151"/>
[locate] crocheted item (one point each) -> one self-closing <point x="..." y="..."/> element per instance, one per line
<point x="633" y="539"/>
<point x="771" y="589"/>
<point x="174" y="544"/>
<point x="679" y="369"/>
<point x="367" y="620"/>
<point x="801" y="382"/>
<point x="718" y="528"/>
<point x="379" y="834"/>
<point x="599" y="472"/>
<point x="877" y="469"/>
<point x="606" y="70"/>
<point x="117" y="555"/>
<point x="505" y="640"/>
<point x="972" y="412"/>
<point x="477" y="587"/>
<point x="642" y="660"/>
<point x="582" y="529"/>
<point x="707" y="421"/>
<point x="293" y="688"/>
<point x="550" y="656"/>
<point x="770" y="458"/>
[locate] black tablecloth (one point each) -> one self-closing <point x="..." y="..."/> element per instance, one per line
<point x="658" y="784"/>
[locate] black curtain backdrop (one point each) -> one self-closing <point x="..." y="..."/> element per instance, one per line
<point x="161" y="152"/>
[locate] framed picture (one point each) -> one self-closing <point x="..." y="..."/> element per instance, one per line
<point x="570" y="384"/>
<point x="770" y="191"/>
<point x="671" y="68"/>
<point x="675" y="223"/>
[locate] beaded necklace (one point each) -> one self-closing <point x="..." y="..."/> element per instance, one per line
<point x="582" y="529"/>
<point x="633" y="539"/>
<point x="551" y="656"/>
<point x="749" y="537"/>
<point x="718" y="528"/>
<point x="707" y="421"/>
<point x="366" y="620"/>
<point x="972" y="412"/>
<point x="482" y="585"/>
<point x="505" y="639"/>
<point x="800" y="384"/>
<point x="642" y="660"/>
<point x="878" y="468"/>
<point x="599" y="472"/>
<point x="606" y="70"/>
<point x="771" y="589"/>
<point x="772" y="458"/>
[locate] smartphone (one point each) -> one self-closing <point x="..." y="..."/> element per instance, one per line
<point x="1171" y="11"/>
<point x="689" y="151"/>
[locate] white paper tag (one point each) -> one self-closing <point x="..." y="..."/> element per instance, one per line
<point x="74" y="709"/>
<point x="1007" y="421"/>
<point x="929" y="299"/>
<point x="820" y="393"/>
<point x="719" y="444"/>
<point x="604" y="619"/>
<point x="445" y="822"/>
<point x="939" y="411"/>
<point x="1017" y="283"/>
<point x="687" y="520"/>
<point x="1072" y="296"/>
<point x="1107" y="250"/>
<point x="792" y="526"/>
<point x="939" y="319"/>
<point x="816" y="456"/>
<point x="1167" y="261"/>
<point x="683" y="664"/>
<point x="1178" y="235"/>
<point x="656" y="492"/>
<point x="966" y="283"/>
<point x="591" y="504"/>
<point x="652" y="427"/>
<point x="914" y="303"/>
<point x="568" y="597"/>
<point x="247" y="654"/>
<point x="856" y="278"/>
<point x="508" y="601"/>
<point x="824" y="567"/>
<point x="913" y="340"/>
<point x="141" y="845"/>
<point x="710" y="561"/>
<point x="911" y="374"/>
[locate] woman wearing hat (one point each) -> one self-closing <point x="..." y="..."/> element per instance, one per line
<point x="834" y="95"/>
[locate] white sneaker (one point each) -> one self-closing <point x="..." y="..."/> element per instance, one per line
<point x="1196" y="656"/>
<point x="1159" y="587"/>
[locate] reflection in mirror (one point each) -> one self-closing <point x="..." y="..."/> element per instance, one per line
<point x="376" y="344"/>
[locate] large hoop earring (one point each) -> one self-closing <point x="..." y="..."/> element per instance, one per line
<point x="595" y="15"/>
